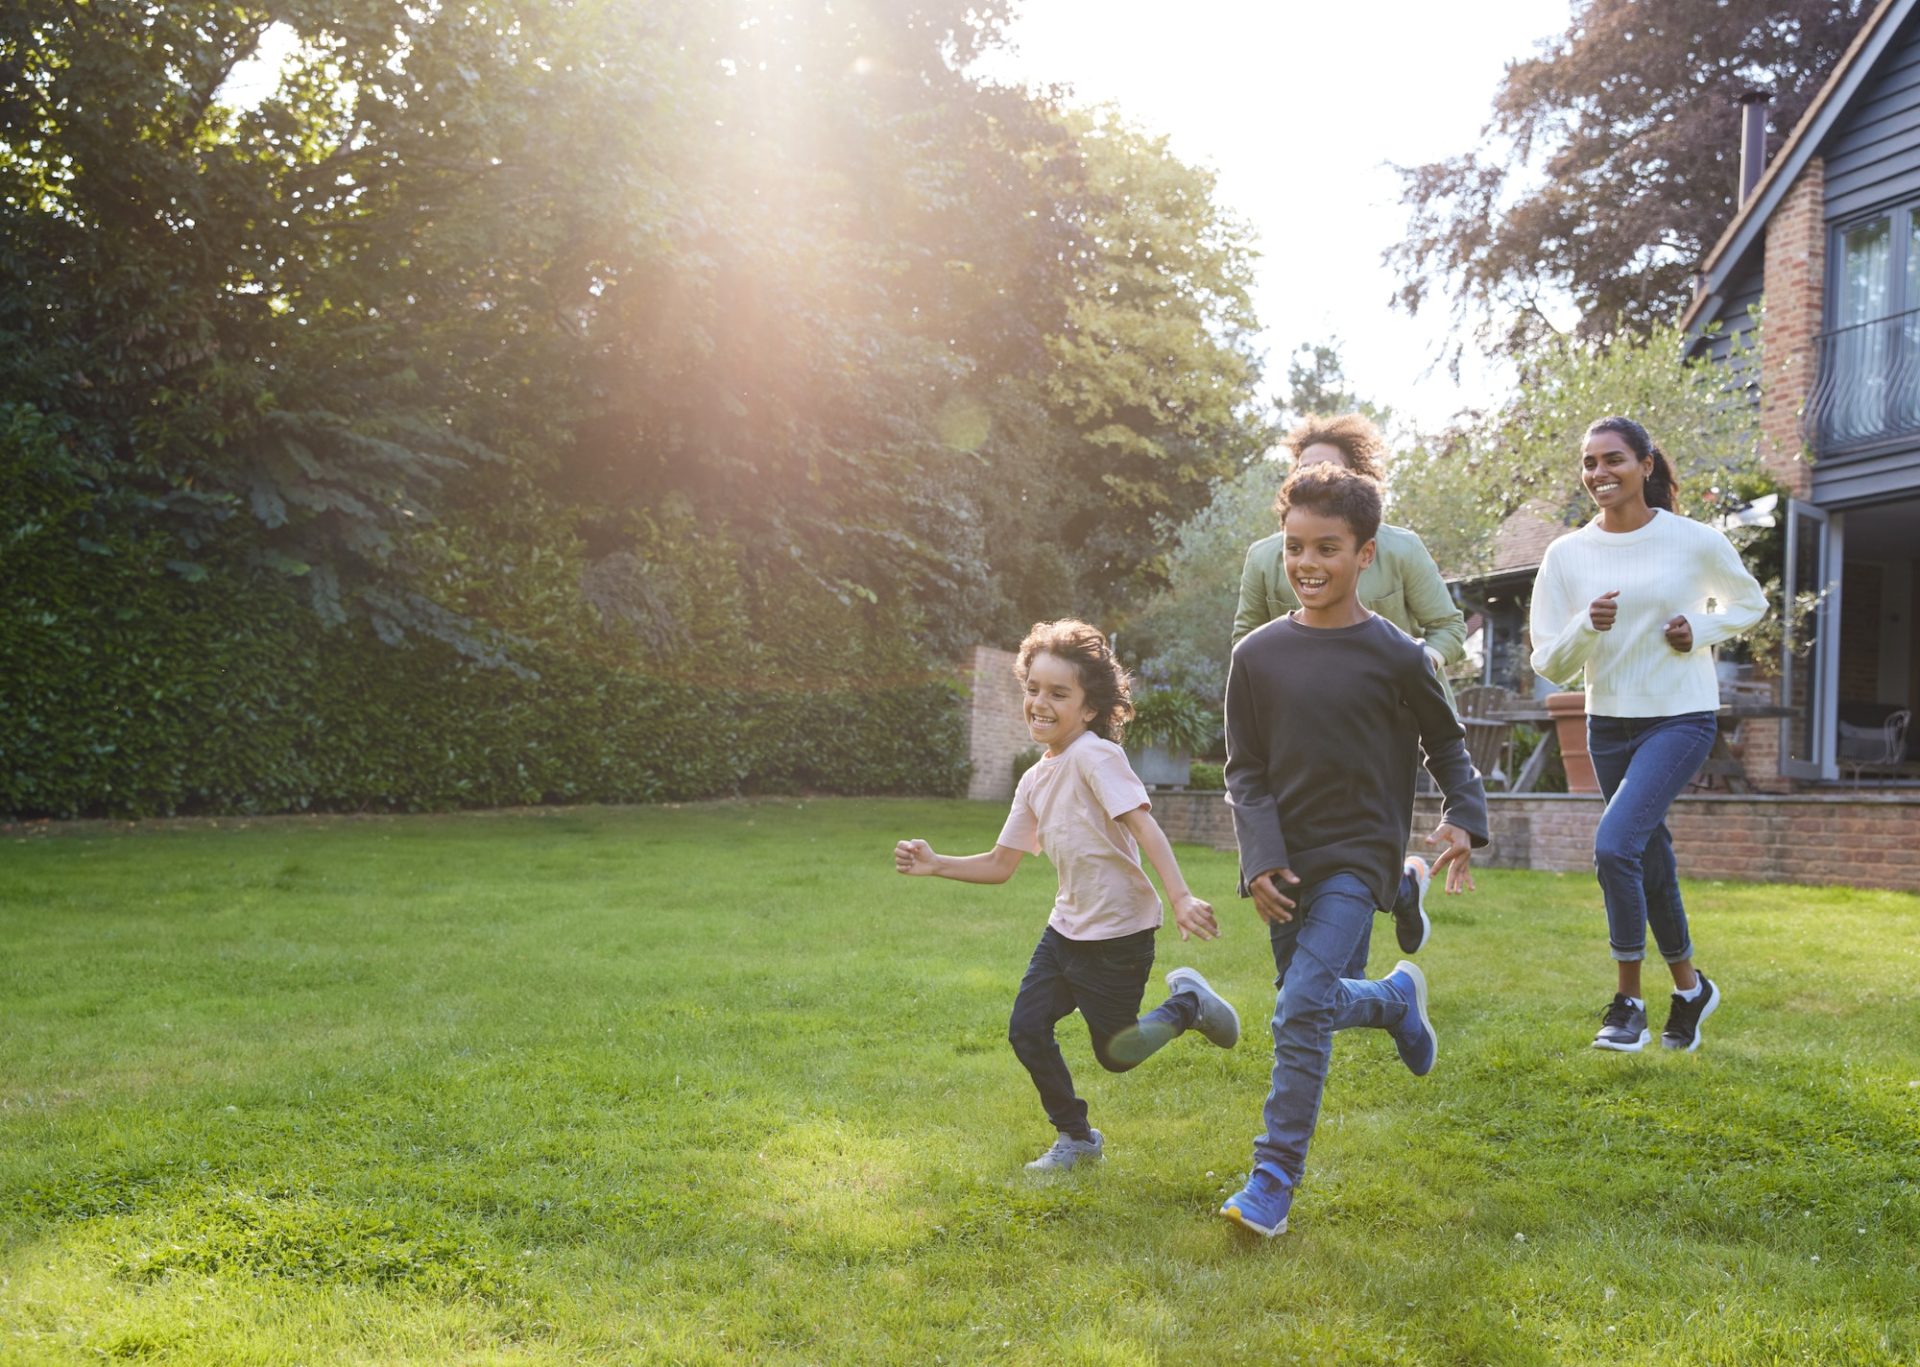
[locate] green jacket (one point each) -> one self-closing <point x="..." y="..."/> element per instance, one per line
<point x="1402" y="584"/>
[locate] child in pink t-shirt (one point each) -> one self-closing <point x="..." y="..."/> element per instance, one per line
<point x="1082" y="806"/>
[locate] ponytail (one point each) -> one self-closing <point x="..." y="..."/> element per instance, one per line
<point x="1661" y="482"/>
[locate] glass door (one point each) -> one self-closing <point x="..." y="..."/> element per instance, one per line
<point x="1809" y="653"/>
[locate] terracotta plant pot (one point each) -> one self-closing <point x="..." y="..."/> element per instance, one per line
<point x="1570" y="725"/>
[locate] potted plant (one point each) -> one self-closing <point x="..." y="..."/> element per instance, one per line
<point x="1169" y="726"/>
<point x="1569" y="712"/>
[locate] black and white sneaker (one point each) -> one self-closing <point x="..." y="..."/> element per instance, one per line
<point x="1623" y="1026"/>
<point x="1410" y="924"/>
<point x="1683" y="1022"/>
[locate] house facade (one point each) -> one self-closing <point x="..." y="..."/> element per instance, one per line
<point x="1827" y="245"/>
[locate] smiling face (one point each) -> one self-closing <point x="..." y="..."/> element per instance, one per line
<point x="1324" y="558"/>
<point x="1055" y="707"/>
<point x="1614" y="476"/>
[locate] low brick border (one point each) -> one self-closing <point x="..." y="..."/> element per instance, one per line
<point x="1866" y="841"/>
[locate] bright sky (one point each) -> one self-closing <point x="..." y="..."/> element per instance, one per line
<point x="1296" y="104"/>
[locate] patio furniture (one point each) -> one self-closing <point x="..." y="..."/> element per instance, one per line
<point x="1882" y="747"/>
<point x="1483" y="712"/>
<point x="1725" y="763"/>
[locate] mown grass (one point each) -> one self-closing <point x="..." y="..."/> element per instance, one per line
<point x="714" y="1085"/>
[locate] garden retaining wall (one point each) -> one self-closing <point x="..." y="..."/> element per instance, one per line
<point x="1865" y="840"/>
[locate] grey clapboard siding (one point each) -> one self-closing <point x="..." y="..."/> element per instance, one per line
<point x="1873" y="155"/>
<point x="1866" y="479"/>
<point x="1733" y="316"/>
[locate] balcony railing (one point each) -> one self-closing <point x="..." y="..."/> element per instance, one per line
<point x="1868" y="388"/>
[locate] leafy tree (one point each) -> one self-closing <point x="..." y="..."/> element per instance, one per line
<point x="1456" y="490"/>
<point x="1317" y="383"/>
<point x="1183" y="634"/>
<point x="1610" y="164"/>
<point x="1145" y="402"/>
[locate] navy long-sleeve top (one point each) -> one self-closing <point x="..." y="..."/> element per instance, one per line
<point x="1324" y="732"/>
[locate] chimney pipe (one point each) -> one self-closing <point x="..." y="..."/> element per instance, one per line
<point x="1753" y="141"/>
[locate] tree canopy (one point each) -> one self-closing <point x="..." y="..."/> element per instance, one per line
<point x="1610" y="164"/>
<point x="628" y="274"/>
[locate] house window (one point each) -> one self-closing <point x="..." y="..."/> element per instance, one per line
<point x="1868" y="389"/>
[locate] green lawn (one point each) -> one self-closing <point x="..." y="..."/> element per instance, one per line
<point x="713" y="1084"/>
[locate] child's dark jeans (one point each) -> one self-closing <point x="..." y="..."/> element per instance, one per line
<point x="1104" y="980"/>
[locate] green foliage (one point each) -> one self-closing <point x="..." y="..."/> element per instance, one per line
<point x="1317" y="384"/>
<point x="1610" y="164"/>
<point x="130" y="691"/>
<point x="1183" y="633"/>
<point x="1024" y="760"/>
<point x="1208" y="777"/>
<point x="1174" y="718"/>
<point x="1458" y="489"/>
<point x="665" y="385"/>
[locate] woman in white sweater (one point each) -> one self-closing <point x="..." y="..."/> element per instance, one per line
<point x="1634" y="600"/>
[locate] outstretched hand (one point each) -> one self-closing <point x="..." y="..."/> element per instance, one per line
<point x="1457" y="859"/>
<point x="913" y="857"/>
<point x="1273" y="906"/>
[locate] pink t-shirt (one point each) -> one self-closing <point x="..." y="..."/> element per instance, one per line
<point x="1066" y="808"/>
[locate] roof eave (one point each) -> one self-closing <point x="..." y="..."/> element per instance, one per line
<point x="1742" y="234"/>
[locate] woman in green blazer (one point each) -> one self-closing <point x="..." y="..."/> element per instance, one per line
<point x="1403" y="585"/>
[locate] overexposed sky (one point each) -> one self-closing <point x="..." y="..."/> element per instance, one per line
<point x="1299" y="109"/>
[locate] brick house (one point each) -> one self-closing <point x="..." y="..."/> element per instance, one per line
<point x="1827" y="243"/>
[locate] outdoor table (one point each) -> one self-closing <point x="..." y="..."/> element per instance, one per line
<point x="1721" y="761"/>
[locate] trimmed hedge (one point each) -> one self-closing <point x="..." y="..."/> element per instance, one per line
<point x="126" y="690"/>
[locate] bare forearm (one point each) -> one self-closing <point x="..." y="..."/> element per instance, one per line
<point x="1159" y="852"/>
<point x="991" y="867"/>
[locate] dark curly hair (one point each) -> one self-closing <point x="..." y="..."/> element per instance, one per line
<point x="1661" y="484"/>
<point x="1332" y="492"/>
<point x="1354" y="433"/>
<point x="1109" y="689"/>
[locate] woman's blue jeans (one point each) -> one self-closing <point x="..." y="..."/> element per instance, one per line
<point x="1643" y="763"/>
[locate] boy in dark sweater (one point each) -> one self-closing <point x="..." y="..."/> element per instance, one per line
<point x="1328" y="708"/>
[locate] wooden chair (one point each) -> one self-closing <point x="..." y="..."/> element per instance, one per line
<point x="1483" y="710"/>
<point x="1878" y="748"/>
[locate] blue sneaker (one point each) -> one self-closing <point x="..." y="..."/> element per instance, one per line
<point x="1262" y="1204"/>
<point x="1410" y="924"/>
<point x="1414" y="1038"/>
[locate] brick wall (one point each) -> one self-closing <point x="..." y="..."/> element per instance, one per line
<point x="995" y="731"/>
<point x="1869" y="841"/>
<point x="1795" y="276"/>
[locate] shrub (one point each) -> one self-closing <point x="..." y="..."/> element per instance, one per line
<point x="1208" y="777"/>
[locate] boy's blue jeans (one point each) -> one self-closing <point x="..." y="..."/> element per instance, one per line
<point x="1643" y="763"/>
<point x="1357" y="963"/>
<point x="1330" y="918"/>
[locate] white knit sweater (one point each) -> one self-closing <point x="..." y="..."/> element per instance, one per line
<point x="1670" y="567"/>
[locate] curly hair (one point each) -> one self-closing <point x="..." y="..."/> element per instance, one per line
<point x="1661" y="482"/>
<point x="1333" y="492"/>
<point x="1109" y="689"/>
<point x="1354" y="433"/>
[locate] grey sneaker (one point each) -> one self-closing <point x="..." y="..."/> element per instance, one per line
<point x="1217" y="1020"/>
<point x="1067" y="1151"/>
<point x="1410" y="924"/>
<point x="1683" y="1021"/>
<point x="1623" y="1026"/>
